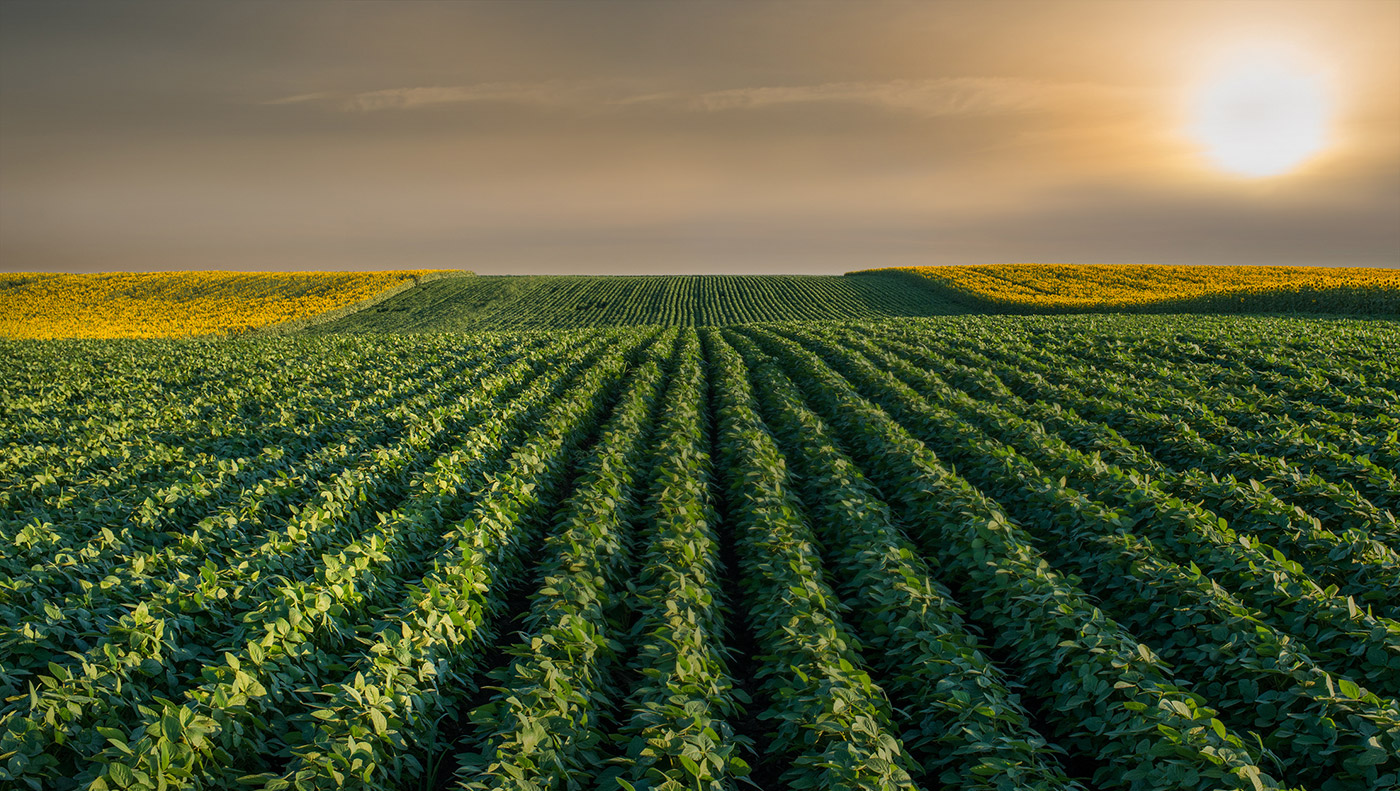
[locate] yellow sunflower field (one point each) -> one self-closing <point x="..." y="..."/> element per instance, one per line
<point x="1085" y="287"/>
<point x="179" y="304"/>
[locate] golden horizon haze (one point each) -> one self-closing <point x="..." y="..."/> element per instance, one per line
<point x="632" y="138"/>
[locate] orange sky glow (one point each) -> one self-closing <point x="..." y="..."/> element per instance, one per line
<point x="705" y="137"/>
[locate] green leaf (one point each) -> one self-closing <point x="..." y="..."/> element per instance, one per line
<point x="121" y="774"/>
<point x="690" y="766"/>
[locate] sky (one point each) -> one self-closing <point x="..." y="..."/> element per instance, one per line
<point x="680" y="137"/>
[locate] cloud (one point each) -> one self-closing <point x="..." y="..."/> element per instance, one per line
<point x="947" y="96"/>
<point x="301" y="98"/>
<point x="427" y="96"/>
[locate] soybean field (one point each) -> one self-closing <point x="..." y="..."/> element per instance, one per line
<point x="959" y="552"/>
<point x="568" y="301"/>
<point x="45" y="306"/>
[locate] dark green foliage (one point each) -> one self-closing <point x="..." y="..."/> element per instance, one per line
<point x="1178" y="610"/>
<point x="539" y="302"/>
<point x="968" y="552"/>
<point x="964" y="723"/>
<point x="676" y="733"/>
<point x="828" y="717"/>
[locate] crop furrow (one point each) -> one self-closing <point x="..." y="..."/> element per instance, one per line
<point x="1361" y="566"/>
<point x="1338" y="506"/>
<point x="223" y="723"/>
<point x="544" y="730"/>
<point x="1210" y="441"/>
<point x="961" y="719"/>
<point x="1107" y="694"/>
<point x="1254" y="676"/>
<point x="106" y="681"/>
<point x="143" y="552"/>
<point x="828" y="718"/>
<point x="1340" y="634"/>
<point x="676" y="723"/>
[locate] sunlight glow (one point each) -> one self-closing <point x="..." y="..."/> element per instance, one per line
<point x="1261" y="115"/>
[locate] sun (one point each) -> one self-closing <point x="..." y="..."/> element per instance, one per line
<point x="1261" y="114"/>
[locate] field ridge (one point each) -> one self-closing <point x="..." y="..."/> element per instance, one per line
<point x="229" y="303"/>
<point x="1144" y="288"/>
<point x="190" y="304"/>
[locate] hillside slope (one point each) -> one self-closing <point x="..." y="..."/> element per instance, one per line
<point x="185" y="304"/>
<point x="543" y="302"/>
<point x="1132" y="288"/>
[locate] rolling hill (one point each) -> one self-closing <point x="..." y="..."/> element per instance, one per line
<point x="547" y="302"/>
<point x="188" y="304"/>
<point x="1144" y="288"/>
<point x="555" y="302"/>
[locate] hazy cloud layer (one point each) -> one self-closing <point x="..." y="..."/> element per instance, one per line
<point x="623" y="137"/>
<point x="948" y="96"/>
<point x="428" y="96"/>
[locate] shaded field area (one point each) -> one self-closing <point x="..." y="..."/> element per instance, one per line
<point x="961" y="552"/>
<point x="537" y="302"/>
<point x="1125" y="288"/>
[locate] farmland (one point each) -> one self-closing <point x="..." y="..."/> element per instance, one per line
<point x="541" y="302"/>
<point x="964" y="551"/>
<point x="223" y="304"/>
<point x="185" y="304"/>
<point x="1084" y="288"/>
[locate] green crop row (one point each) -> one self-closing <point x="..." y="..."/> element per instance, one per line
<point x="963" y="552"/>
<point x="1353" y="558"/>
<point x="1180" y="612"/>
<point x="541" y="729"/>
<point x="543" y="302"/>
<point x="81" y="598"/>
<point x="825" y="714"/>
<point x="675" y="730"/>
<point x="963" y="722"/>
<point x="1113" y="698"/>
